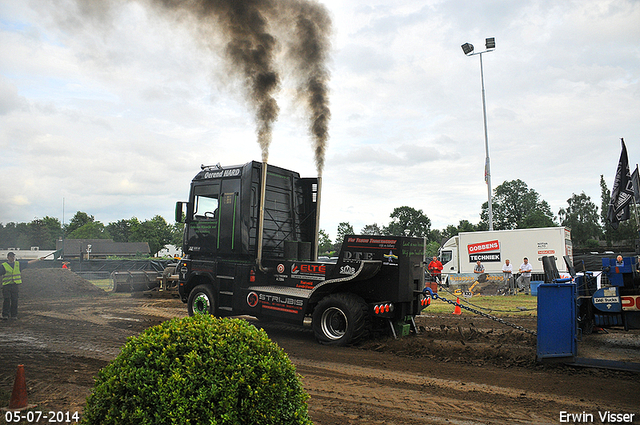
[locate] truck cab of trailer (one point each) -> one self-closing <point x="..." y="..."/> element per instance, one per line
<point x="449" y="256"/>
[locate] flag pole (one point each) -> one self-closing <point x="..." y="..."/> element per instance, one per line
<point x="636" y="185"/>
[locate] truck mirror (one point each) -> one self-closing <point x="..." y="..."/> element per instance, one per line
<point x="179" y="215"/>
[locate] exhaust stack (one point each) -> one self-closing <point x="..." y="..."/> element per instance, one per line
<point x="263" y="193"/>
<point x="317" y="233"/>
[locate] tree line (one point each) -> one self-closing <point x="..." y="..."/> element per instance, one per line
<point x="44" y="232"/>
<point x="514" y="204"/>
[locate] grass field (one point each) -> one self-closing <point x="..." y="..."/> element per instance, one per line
<point x="518" y="305"/>
<point x="102" y="283"/>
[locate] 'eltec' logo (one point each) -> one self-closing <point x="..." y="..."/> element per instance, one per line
<point x="309" y="269"/>
<point x="312" y="268"/>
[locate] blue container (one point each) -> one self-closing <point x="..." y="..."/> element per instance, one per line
<point x="557" y="328"/>
<point x="534" y="287"/>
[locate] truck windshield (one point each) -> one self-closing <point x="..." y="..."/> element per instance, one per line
<point x="445" y="257"/>
<point x="206" y="207"/>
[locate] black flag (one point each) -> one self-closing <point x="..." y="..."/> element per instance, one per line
<point x="635" y="179"/>
<point x="622" y="192"/>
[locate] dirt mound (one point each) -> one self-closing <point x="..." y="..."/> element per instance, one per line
<point x="54" y="283"/>
<point x="463" y="346"/>
<point x="475" y="341"/>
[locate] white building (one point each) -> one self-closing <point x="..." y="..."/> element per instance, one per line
<point x="31" y="254"/>
<point x="170" y="251"/>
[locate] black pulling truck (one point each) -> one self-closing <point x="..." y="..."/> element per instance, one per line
<point x="250" y="249"/>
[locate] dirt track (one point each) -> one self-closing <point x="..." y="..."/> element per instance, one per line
<point x="462" y="370"/>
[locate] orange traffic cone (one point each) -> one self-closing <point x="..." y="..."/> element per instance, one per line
<point x="18" y="399"/>
<point x="457" y="310"/>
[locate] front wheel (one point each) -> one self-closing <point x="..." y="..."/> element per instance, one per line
<point x="201" y="301"/>
<point x="341" y="319"/>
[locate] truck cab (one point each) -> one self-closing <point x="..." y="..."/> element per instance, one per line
<point x="249" y="244"/>
<point x="449" y="256"/>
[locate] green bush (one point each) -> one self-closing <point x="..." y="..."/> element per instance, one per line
<point x="198" y="370"/>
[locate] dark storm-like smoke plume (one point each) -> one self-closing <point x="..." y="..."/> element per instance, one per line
<point x="251" y="35"/>
<point x="311" y="52"/>
<point x="249" y="48"/>
<point x="253" y="31"/>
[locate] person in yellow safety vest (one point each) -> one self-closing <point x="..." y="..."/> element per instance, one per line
<point x="11" y="278"/>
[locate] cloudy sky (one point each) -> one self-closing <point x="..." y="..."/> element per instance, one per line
<point x="113" y="115"/>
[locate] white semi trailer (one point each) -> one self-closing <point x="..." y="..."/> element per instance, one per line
<point x="460" y="253"/>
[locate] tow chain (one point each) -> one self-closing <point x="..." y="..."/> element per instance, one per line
<point x="428" y="292"/>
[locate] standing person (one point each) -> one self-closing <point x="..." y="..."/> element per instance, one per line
<point x="525" y="277"/>
<point x="507" y="276"/>
<point x="11" y="278"/>
<point x="479" y="268"/>
<point x="435" y="268"/>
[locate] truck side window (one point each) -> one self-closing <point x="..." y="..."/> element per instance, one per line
<point x="206" y="207"/>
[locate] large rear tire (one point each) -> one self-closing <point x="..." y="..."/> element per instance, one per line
<point x="201" y="301"/>
<point x="341" y="319"/>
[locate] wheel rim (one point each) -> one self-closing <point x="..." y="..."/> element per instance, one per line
<point x="201" y="304"/>
<point x="334" y="323"/>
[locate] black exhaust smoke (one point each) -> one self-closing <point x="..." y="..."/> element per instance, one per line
<point x="253" y="32"/>
<point x="249" y="49"/>
<point x="311" y="53"/>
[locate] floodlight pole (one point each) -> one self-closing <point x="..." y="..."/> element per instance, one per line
<point x="468" y="50"/>
<point x="486" y="147"/>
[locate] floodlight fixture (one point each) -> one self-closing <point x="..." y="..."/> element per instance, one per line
<point x="490" y="43"/>
<point x="467" y="48"/>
